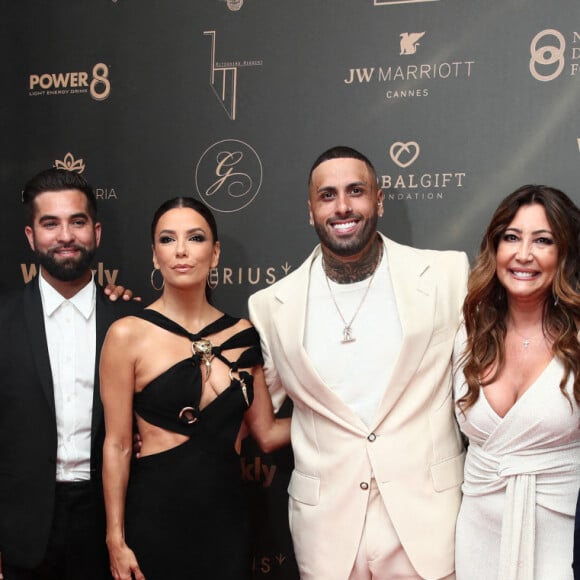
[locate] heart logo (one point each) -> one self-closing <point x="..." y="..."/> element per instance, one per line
<point x="409" y="150"/>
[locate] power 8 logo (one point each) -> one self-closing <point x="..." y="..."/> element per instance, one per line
<point x="100" y="87"/>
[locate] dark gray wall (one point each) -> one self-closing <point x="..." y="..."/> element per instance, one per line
<point x="170" y="96"/>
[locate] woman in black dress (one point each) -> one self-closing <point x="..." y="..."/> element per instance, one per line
<point x="191" y="376"/>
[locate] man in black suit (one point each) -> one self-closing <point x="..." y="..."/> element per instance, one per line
<point x="51" y="417"/>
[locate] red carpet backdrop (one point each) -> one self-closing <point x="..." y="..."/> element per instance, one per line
<point x="457" y="103"/>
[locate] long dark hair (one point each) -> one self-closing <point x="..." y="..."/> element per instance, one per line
<point x="190" y="202"/>
<point x="485" y="306"/>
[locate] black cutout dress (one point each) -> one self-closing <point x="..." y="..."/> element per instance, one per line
<point x="186" y="516"/>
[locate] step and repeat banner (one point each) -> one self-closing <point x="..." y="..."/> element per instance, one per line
<point x="456" y="102"/>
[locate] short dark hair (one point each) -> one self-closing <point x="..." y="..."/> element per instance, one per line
<point x="191" y="203"/>
<point x="54" y="179"/>
<point x="341" y="152"/>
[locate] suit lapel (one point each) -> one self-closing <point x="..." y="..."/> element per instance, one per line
<point x="34" y="321"/>
<point x="289" y="320"/>
<point x="415" y="295"/>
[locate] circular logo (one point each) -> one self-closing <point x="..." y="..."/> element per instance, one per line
<point x="228" y="175"/>
<point x="549" y="57"/>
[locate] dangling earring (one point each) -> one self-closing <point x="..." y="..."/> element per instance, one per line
<point x="212" y="278"/>
<point x="158" y="288"/>
<point x="556" y="299"/>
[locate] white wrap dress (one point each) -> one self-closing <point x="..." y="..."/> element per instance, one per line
<point x="522" y="474"/>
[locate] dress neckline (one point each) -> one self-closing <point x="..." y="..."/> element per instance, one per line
<point x="523" y="396"/>
<point x="220" y="323"/>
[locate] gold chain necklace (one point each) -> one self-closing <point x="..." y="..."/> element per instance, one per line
<point x="347" y="330"/>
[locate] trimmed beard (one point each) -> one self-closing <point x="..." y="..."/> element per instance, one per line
<point x="69" y="269"/>
<point x="346" y="248"/>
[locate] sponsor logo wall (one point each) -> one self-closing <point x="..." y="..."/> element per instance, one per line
<point x="230" y="101"/>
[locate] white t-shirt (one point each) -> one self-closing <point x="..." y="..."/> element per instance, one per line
<point x="358" y="372"/>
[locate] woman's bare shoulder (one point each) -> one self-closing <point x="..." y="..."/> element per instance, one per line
<point x="243" y="323"/>
<point x="127" y="328"/>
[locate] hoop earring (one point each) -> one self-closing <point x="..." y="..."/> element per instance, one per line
<point x="158" y="288"/>
<point x="212" y="278"/>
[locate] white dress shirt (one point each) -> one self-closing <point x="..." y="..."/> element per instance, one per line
<point x="71" y="337"/>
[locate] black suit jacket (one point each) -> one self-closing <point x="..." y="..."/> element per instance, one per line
<point x="28" y="439"/>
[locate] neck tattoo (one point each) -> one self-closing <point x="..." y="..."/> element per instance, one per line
<point x="347" y="335"/>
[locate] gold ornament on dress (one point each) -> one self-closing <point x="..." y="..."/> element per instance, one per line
<point x="242" y="385"/>
<point x="187" y="415"/>
<point x="203" y="348"/>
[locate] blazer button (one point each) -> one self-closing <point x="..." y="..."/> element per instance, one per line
<point x="364" y="485"/>
<point x="372" y="437"/>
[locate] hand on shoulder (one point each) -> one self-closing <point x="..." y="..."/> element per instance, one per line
<point x="114" y="292"/>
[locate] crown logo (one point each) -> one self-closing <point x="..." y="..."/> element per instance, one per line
<point x="70" y="164"/>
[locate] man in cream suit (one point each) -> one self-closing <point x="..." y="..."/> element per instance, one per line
<point x="360" y="337"/>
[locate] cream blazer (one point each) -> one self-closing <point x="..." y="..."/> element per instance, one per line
<point x="413" y="450"/>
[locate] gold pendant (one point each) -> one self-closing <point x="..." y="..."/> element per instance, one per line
<point x="242" y="386"/>
<point x="203" y="348"/>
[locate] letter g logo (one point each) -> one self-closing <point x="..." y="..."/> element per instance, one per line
<point x="228" y="176"/>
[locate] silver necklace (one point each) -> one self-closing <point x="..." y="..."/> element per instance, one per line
<point x="526" y="340"/>
<point x="347" y="335"/>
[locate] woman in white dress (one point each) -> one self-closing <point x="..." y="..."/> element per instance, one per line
<point x="517" y="387"/>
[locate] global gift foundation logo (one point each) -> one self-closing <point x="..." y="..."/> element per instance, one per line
<point x="416" y="185"/>
<point x="550" y="55"/>
<point x="404" y="154"/>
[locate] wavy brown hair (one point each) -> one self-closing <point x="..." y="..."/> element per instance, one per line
<point x="485" y="306"/>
